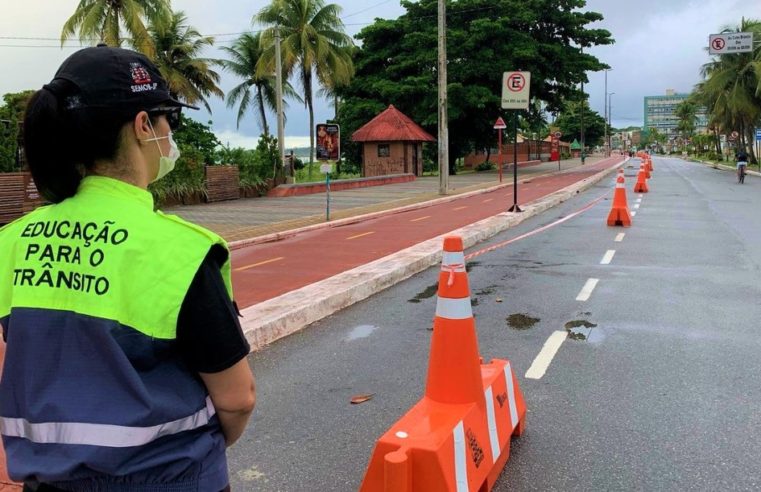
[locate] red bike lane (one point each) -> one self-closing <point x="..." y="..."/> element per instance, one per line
<point x="265" y="271"/>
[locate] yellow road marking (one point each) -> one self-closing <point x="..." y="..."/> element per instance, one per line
<point x="272" y="260"/>
<point x="360" y="235"/>
<point x="460" y="208"/>
<point x="421" y="218"/>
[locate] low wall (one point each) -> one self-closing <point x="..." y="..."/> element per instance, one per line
<point x="344" y="184"/>
<point x="18" y="196"/>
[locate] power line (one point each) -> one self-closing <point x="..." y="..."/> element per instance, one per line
<point x="366" y="9"/>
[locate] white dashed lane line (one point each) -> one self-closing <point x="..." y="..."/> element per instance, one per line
<point x="619" y="237"/>
<point x="606" y="259"/>
<point x="542" y="361"/>
<point x="634" y="213"/>
<point x="586" y="291"/>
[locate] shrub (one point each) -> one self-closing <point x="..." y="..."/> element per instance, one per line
<point x="485" y="166"/>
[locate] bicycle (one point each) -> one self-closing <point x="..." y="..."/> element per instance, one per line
<point x="741" y="173"/>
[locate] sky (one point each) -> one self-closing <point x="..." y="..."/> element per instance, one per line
<point x="660" y="45"/>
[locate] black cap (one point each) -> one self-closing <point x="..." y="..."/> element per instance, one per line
<point x="114" y="78"/>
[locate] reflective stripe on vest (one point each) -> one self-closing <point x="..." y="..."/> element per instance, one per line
<point x="112" y="436"/>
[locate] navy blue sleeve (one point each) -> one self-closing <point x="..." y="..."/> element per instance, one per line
<point x="209" y="335"/>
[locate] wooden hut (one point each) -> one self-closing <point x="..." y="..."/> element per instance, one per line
<point x="393" y="144"/>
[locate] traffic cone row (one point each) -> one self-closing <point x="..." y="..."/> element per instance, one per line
<point x="619" y="213"/>
<point x="457" y="437"/>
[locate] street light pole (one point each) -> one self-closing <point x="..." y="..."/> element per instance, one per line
<point x="583" y="100"/>
<point x="609" y="118"/>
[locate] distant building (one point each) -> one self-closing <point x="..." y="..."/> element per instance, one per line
<point x="660" y="113"/>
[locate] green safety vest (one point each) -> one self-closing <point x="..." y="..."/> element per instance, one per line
<point x="90" y="293"/>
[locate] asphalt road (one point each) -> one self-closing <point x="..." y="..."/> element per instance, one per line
<point x="661" y="393"/>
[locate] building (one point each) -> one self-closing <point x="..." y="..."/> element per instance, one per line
<point x="660" y="113"/>
<point x="393" y="144"/>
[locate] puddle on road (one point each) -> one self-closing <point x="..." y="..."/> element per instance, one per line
<point x="474" y="301"/>
<point x="579" y="329"/>
<point x="470" y="265"/>
<point x="361" y="331"/>
<point x="486" y="291"/>
<point x="520" y="321"/>
<point x="429" y="292"/>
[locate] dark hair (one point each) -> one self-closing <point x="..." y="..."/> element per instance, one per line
<point x="59" y="142"/>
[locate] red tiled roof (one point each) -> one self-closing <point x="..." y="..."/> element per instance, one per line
<point x="391" y="126"/>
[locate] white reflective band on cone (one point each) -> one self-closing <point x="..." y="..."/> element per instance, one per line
<point x="620" y="185"/>
<point x="454" y="308"/>
<point x="511" y="396"/>
<point x="492" y="421"/>
<point x="460" y="465"/>
<point x="106" y="435"/>
<point x="456" y="258"/>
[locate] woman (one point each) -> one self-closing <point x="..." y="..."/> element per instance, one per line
<point x="125" y="366"/>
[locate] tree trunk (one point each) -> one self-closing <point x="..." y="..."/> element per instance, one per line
<point x="307" y="77"/>
<point x="262" y="113"/>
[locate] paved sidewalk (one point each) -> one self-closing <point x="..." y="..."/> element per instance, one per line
<point x="255" y="217"/>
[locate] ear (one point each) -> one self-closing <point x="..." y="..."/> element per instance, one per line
<point x="141" y="126"/>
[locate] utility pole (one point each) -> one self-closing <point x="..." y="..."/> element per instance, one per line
<point x="443" y="119"/>
<point x="279" y="97"/>
<point x="583" y="101"/>
<point x="605" y="112"/>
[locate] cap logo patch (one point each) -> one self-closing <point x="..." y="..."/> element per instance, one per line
<point x="142" y="78"/>
<point x="139" y="74"/>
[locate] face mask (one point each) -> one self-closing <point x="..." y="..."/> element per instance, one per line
<point x="166" y="163"/>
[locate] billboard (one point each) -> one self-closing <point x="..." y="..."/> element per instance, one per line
<point x="328" y="142"/>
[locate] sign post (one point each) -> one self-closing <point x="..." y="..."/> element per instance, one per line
<point x="328" y="149"/>
<point x="515" y="96"/>
<point x="499" y="125"/>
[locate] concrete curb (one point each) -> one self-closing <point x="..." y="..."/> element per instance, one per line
<point x="286" y="314"/>
<point x="722" y="167"/>
<point x="277" y="236"/>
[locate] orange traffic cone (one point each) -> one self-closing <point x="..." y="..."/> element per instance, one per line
<point x="619" y="213"/>
<point x="649" y="164"/>
<point x="457" y="437"/>
<point x="641" y="186"/>
<point x="647" y="168"/>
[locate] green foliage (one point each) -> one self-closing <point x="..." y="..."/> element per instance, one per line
<point x="312" y="42"/>
<point x="178" y="48"/>
<point x="199" y="136"/>
<point x="103" y="19"/>
<point x="569" y="122"/>
<point x="398" y="64"/>
<point x="11" y="117"/>
<point x="485" y="166"/>
<point x="254" y="166"/>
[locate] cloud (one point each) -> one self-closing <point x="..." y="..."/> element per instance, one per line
<point x="236" y="139"/>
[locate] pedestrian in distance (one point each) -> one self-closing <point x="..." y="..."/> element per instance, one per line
<point x="125" y="366"/>
<point x="742" y="164"/>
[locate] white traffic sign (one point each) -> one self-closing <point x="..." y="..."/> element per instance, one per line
<point x="758" y="134"/>
<point x="500" y="124"/>
<point x="731" y="42"/>
<point x="326" y="168"/>
<point x="515" y="90"/>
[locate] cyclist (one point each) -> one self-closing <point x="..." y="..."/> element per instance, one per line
<point x="742" y="163"/>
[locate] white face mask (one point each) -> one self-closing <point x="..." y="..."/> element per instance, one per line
<point x="166" y="163"/>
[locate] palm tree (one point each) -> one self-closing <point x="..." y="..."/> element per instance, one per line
<point x="312" y="42"/>
<point x="255" y="89"/>
<point x="178" y="47"/>
<point x="732" y="86"/>
<point x="103" y="20"/>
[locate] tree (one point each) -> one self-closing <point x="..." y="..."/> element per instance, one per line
<point x="397" y="64"/>
<point x="104" y="19"/>
<point x="686" y="111"/>
<point x="569" y="122"/>
<point x="195" y="134"/>
<point x="312" y="42"/>
<point x="11" y="118"/>
<point x="256" y="89"/>
<point x="178" y="48"/>
<point x="732" y="88"/>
